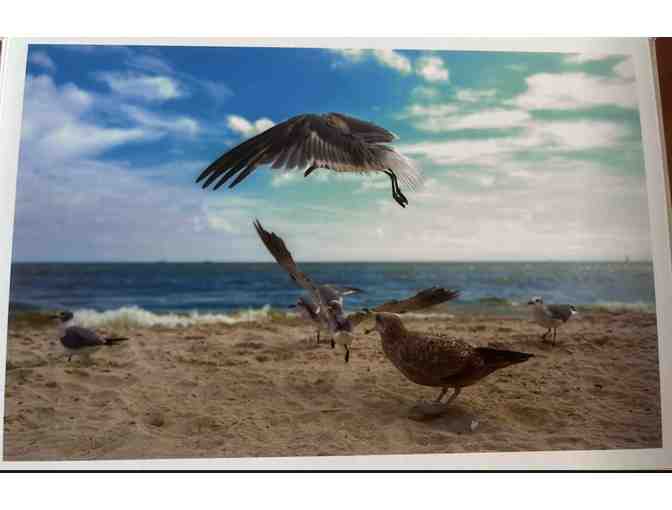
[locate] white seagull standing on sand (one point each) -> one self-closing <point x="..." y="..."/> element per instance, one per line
<point x="79" y="340"/>
<point x="550" y="316"/>
<point x="332" y="141"/>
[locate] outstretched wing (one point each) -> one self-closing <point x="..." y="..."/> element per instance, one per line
<point x="276" y="246"/>
<point x="77" y="336"/>
<point x="423" y="299"/>
<point x="345" y="144"/>
<point x="366" y="131"/>
<point x="561" y="312"/>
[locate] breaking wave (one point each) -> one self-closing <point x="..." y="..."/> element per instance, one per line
<point x="133" y="316"/>
<point x="615" y="306"/>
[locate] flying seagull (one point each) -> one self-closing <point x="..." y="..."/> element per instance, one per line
<point x="333" y="141"/>
<point x="79" y="340"/>
<point x="327" y="302"/>
<point x="438" y="361"/>
<point x="550" y="316"/>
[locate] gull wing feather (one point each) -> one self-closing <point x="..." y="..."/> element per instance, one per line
<point x="423" y="299"/>
<point x="561" y="312"/>
<point x="276" y="246"/>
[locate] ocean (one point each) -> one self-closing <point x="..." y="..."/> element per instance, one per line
<point x="181" y="293"/>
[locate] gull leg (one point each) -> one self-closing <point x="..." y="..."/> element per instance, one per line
<point x="436" y="408"/>
<point x="399" y="193"/>
<point x="443" y="392"/>
<point x="318" y="336"/>
<point x="347" y="353"/>
<point x="333" y="344"/>
<point x="396" y="194"/>
<point x="310" y="170"/>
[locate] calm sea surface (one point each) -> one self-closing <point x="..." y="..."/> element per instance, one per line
<point x="225" y="287"/>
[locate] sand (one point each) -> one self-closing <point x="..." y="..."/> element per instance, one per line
<point x="267" y="389"/>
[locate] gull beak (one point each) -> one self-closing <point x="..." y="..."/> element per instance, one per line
<point x="369" y="331"/>
<point x="530" y="302"/>
<point x="291" y="306"/>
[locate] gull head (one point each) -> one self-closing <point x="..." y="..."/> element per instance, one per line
<point x="536" y="301"/>
<point x="62" y="317"/>
<point x="389" y="324"/>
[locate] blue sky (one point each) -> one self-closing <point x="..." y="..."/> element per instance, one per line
<point x="525" y="156"/>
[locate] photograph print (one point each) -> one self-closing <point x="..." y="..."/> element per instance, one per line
<point x="230" y="252"/>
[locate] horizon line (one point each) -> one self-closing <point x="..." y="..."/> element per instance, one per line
<point x="436" y="261"/>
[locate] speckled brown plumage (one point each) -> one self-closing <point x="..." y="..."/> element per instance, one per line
<point x="432" y="360"/>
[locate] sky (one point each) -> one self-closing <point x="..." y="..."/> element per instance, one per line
<point x="525" y="156"/>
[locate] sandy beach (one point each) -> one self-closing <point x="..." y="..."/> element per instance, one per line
<point x="267" y="389"/>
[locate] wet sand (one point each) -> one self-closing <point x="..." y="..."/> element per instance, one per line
<point x="267" y="389"/>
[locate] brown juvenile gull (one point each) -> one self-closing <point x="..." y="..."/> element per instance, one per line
<point x="328" y="302"/>
<point x="550" y="316"/>
<point x="432" y="360"/>
<point x="333" y="141"/>
<point x="79" y="340"/>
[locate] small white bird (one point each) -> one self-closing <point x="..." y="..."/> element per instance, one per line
<point x="550" y="316"/>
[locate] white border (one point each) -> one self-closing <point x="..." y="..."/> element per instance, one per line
<point x="11" y="91"/>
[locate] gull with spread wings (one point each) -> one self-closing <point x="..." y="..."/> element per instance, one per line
<point x="333" y="141"/>
<point x="324" y="306"/>
<point x="327" y="303"/>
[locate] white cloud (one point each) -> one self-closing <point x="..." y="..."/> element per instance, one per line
<point x="450" y="119"/>
<point x="283" y="178"/>
<point x="432" y="69"/>
<point x="246" y="128"/>
<point x="560" y="209"/>
<point x="429" y="67"/>
<point x="351" y="54"/>
<point x="475" y="95"/>
<point x="148" y="87"/>
<point x="40" y="58"/>
<point x="393" y="59"/>
<point x="425" y="92"/>
<point x="148" y="62"/>
<point x="54" y="125"/>
<point x="176" y="124"/>
<point x="625" y="69"/>
<point x="567" y="91"/>
<point x="491" y="152"/>
<point x="431" y="110"/>
<point x="583" y="58"/>
<point x="385" y="57"/>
